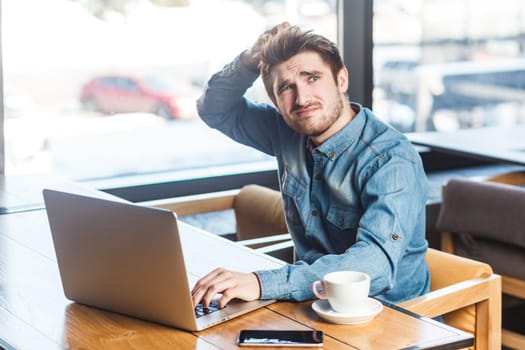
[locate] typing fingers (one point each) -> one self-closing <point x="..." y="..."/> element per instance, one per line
<point x="230" y="284"/>
<point x="215" y="282"/>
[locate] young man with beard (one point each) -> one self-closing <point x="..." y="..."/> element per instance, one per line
<point x="353" y="188"/>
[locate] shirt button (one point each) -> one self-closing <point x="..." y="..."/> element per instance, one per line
<point x="331" y="155"/>
<point x="395" y="236"/>
<point x="314" y="212"/>
<point x="318" y="176"/>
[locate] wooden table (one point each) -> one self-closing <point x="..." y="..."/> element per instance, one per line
<point x="34" y="313"/>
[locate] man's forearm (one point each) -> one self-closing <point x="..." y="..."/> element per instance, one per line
<point x="249" y="61"/>
<point x="226" y="88"/>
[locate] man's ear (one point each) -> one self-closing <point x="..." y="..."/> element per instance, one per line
<point x="342" y="80"/>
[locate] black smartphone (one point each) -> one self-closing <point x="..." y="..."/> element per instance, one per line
<point x="257" y="337"/>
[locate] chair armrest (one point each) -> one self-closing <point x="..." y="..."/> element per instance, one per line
<point x="279" y="246"/>
<point x="483" y="295"/>
<point x="266" y="240"/>
<point x="268" y="249"/>
<point x="455" y="296"/>
<point x="196" y="204"/>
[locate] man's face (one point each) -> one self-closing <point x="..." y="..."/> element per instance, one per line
<point x="310" y="100"/>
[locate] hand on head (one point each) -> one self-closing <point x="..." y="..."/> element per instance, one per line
<point x="252" y="57"/>
<point x="228" y="283"/>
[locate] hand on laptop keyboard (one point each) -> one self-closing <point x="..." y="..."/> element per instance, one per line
<point x="201" y="311"/>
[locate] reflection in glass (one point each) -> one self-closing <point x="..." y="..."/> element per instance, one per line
<point x="77" y="82"/>
<point x="449" y="64"/>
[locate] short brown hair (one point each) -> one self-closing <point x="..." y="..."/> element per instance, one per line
<point x="291" y="41"/>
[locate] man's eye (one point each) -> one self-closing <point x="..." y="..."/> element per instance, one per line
<point x="313" y="78"/>
<point x="285" y="88"/>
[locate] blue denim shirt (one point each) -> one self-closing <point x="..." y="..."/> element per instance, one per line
<point x="356" y="202"/>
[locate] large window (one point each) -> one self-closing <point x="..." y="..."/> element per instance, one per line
<point x="106" y="89"/>
<point x="449" y="64"/>
<point x="98" y="90"/>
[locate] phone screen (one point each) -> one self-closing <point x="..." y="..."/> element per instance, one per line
<point x="280" y="338"/>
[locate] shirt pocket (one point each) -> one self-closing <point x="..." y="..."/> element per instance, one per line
<point x="294" y="192"/>
<point x="343" y="217"/>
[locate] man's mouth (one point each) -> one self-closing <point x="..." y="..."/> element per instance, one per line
<point x="305" y="111"/>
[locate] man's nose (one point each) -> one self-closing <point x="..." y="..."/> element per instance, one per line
<point x="302" y="96"/>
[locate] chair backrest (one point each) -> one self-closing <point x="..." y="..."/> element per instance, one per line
<point x="258" y="212"/>
<point x="486" y="221"/>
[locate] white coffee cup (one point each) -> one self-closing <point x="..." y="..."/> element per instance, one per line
<point x="345" y="290"/>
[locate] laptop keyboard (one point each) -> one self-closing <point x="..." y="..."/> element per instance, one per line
<point x="201" y="310"/>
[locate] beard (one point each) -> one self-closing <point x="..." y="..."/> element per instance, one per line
<point x="316" y="125"/>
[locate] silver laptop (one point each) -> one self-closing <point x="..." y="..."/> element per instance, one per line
<point x="141" y="261"/>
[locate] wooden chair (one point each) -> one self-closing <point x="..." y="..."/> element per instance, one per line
<point x="486" y="221"/>
<point x="516" y="178"/>
<point x="466" y="292"/>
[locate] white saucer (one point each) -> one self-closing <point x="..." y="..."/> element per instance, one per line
<point x="365" y="313"/>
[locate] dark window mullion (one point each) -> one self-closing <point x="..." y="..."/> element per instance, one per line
<point x="356" y="44"/>
<point x="2" y="137"/>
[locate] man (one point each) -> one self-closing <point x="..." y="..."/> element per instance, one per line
<point x="353" y="189"/>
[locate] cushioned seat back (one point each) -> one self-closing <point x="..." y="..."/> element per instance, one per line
<point x="258" y="212"/>
<point x="488" y="223"/>
<point x="448" y="269"/>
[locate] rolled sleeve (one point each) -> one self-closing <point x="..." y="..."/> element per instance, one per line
<point x="274" y="284"/>
<point x="394" y="197"/>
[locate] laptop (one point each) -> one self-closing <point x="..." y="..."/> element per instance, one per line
<point x="142" y="261"/>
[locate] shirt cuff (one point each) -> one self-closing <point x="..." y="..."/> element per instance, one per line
<point x="274" y="284"/>
<point x="259" y="283"/>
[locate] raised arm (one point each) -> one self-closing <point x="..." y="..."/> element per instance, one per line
<point x="222" y="105"/>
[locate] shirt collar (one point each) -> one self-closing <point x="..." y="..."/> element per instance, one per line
<point x="341" y="140"/>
